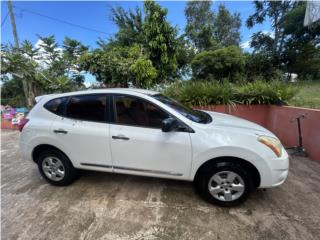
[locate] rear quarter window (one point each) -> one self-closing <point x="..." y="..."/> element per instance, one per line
<point x="56" y="106"/>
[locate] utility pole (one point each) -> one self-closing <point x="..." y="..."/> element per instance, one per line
<point x="29" y="96"/>
<point x="13" y="24"/>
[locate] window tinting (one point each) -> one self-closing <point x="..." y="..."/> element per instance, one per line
<point x="193" y="115"/>
<point x="87" y="108"/>
<point x="56" y="105"/>
<point x="137" y="112"/>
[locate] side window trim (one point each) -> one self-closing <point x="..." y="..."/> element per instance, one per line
<point x="113" y="112"/>
<point x="106" y="110"/>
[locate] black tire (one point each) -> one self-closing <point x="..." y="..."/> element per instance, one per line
<point x="203" y="178"/>
<point x="70" y="173"/>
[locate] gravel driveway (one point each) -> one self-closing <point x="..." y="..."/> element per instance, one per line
<point x="110" y="206"/>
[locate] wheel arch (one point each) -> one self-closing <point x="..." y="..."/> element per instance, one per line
<point x="246" y="164"/>
<point x="44" y="147"/>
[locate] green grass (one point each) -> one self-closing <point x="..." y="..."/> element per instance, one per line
<point x="308" y="95"/>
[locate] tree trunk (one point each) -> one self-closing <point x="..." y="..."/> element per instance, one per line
<point x="28" y="92"/>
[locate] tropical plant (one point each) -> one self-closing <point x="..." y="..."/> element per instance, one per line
<point x="211" y="93"/>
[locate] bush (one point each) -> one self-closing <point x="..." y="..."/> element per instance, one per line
<point x="222" y="63"/>
<point x="207" y="93"/>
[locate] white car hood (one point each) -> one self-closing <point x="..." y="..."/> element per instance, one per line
<point x="228" y="121"/>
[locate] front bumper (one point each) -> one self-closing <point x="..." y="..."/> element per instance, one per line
<point x="279" y="170"/>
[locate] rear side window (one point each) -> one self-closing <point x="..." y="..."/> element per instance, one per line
<point x="56" y="105"/>
<point x="87" y="108"/>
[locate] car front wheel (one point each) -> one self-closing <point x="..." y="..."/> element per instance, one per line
<point x="225" y="184"/>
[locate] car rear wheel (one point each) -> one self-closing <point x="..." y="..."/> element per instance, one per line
<point x="225" y="184"/>
<point x="56" y="168"/>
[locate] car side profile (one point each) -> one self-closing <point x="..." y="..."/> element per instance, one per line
<point x="141" y="132"/>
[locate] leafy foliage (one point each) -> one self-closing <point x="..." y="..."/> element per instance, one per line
<point x="208" y="93"/>
<point x="226" y="27"/>
<point x="130" y="24"/>
<point x="45" y="69"/>
<point x="142" y="53"/>
<point x="207" y="30"/>
<point x="222" y="63"/>
<point x="160" y="40"/>
<point x="199" y="28"/>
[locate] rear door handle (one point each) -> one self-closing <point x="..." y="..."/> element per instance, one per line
<point x="121" y="137"/>
<point x="60" y="131"/>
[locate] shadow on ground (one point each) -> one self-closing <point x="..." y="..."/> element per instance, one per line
<point x="111" y="206"/>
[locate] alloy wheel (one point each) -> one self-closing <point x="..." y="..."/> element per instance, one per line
<point x="226" y="186"/>
<point x="53" y="168"/>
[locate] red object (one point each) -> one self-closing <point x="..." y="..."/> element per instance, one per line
<point x="22" y="123"/>
<point x="6" y="124"/>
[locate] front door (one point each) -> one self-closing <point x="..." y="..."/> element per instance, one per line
<point x="140" y="147"/>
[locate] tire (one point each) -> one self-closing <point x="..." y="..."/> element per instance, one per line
<point x="55" y="162"/>
<point x="230" y="184"/>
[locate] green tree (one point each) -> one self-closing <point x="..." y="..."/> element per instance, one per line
<point x="259" y="65"/>
<point x="12" y="92"/>
<point x="130" y="26"/>
<point x="144" y="73"/>
<point x="160" y="41"/>
<point x="223" y="63"/>
<point x="209" y="31"/>
<point x="269" y="43"/>
<point x="110" y="66"/>
<point x="200" y="22"/>
<point x="45" y="69"/>
<point x="15" y="62"/>
<point x="72" y="50"/>
<point x="227" y="27"/>
<point x="148" y="45"/>
<point x="302" y="47"/>
<point x="120" y="66"/>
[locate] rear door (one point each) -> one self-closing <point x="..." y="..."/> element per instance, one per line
<point x="83" y="131"/>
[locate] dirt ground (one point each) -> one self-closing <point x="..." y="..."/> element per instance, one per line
<point x="110" y="206"/>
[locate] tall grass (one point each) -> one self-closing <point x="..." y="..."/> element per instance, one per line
<point x="211" y="93"/>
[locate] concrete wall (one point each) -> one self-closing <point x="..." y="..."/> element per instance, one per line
<point x="280" y="120"/>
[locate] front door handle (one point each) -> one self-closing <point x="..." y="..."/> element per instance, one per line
<point x="121" y="137"/>
<point x="60" y="131"/>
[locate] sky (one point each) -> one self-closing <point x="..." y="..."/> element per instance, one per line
<point x="31" y="20"/>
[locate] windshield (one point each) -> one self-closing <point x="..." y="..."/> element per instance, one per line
<point x="194" y="115"/>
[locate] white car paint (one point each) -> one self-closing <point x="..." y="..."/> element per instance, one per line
<point x="151" y="152"/>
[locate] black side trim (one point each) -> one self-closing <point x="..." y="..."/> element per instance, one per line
<point x="148" y="171"/>
<point x="95" y="165"/>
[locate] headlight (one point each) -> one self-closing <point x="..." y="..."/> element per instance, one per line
<point x="273" y="143"/>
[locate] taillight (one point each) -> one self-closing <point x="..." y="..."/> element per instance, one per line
<point x="22" y="123"/>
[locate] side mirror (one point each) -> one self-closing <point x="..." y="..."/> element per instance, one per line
<point x="169" y="124"/>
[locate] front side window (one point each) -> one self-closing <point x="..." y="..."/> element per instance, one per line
<point x="137" y="112"/>
<point x="56" y="105"/>
<point x="193" y="115"/>
<point x="87" y="108"/>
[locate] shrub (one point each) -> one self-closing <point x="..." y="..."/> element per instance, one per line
<point x="222" y="63"/>
<point x="207" y="93"/>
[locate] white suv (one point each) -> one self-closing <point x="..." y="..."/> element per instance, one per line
<point x="142" y="132"/>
